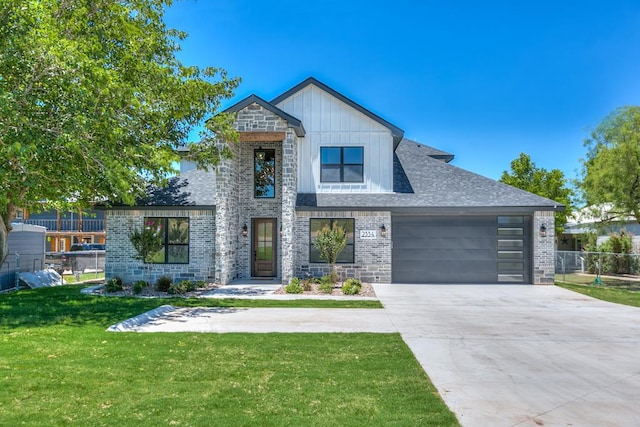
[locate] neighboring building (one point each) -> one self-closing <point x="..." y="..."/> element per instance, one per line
<point x="66" y="228"/>
<point x="312" y="157"/>
<point x="600" y="220"/>
<point x="26" y="253"/>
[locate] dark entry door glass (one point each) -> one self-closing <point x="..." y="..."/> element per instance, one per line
<point x="264" y="247"/>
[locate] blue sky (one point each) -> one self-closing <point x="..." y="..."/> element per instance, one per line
<point x="482" y="80"/>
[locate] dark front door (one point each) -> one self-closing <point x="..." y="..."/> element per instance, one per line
<point x="264" y="247"/>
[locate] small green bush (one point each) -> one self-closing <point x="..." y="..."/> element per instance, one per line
<point x="200" y="284"/>
<point x="351" y="287"/>
<point x="294" y="287"/>
<point x="163" y="284"/>
<point x="182" y="287"/>
<point x="139" y="286"/>
<point x="113" y="285"/>
<point x="326" y="285"/>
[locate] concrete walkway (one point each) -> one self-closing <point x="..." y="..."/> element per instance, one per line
<point x="523" y="355"/>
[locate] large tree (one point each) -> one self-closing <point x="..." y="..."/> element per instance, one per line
<point x="550" y="184"/>
<point x="611" y="169"/>
<point x="94" y="103"/>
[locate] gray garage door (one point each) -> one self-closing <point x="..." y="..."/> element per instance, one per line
<point x="461" y="249"/>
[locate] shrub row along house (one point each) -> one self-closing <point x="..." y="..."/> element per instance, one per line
<point x="312" y="157"/>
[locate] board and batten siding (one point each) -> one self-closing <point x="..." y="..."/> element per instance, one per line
<point x="330" y="122"/>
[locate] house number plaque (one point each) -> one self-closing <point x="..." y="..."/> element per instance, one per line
<point x="368" y="234"/>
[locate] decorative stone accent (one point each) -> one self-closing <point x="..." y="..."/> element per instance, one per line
<point x="543" y="248"/>
<point x="236" y="205"/>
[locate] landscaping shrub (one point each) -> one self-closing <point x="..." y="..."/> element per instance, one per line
<point x="182" y="287"/>
<point x="294" y="287"/>
<point x="307" y="284"/>
<point x="351" y="287"/>
<point x="200" y="284"/>
<point x="163" y="284"/>
<point x="114" y="285"/>
<point x="326" y="284"/>
<point x="139" y="286"/>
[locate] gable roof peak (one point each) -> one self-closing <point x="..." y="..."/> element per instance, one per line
<point x="295" y="123"/>
<point x="396" y="132"/>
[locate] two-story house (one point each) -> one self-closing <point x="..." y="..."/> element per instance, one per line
<point x="312" y="157"/>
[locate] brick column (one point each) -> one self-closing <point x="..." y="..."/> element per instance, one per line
<point x="543" y="248"/>
<point x="227" y="229"/>
<point x="289" y="196"/>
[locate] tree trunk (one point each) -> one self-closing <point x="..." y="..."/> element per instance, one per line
<point x="5" y="228"/>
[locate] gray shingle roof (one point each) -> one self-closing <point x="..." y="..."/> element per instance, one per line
<point x="437" y="186"/>
<point x="193" y="188"/>
<point x="432" y="152"/>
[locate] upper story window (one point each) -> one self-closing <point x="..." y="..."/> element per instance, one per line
<point x="264" y="173"/>
<point x="174" y="233"/>
<point x="341" y="164"/>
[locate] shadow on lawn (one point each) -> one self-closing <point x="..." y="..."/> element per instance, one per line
<point x="65" y="305"/>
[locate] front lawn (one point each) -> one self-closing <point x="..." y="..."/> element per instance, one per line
<point x="60" y="367"/>
<point x="620" y="296"/>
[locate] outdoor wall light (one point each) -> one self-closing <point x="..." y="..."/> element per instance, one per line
<point x="543" y="230"/>
<point x="383" y="231"/>
<point x="245" y="230"/>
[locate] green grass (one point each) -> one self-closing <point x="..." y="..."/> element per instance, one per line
<point x="620" y="282"/>
<point x="620" y="296"/>
<point x="71" y="278"/>
<point x="60" y="367"/>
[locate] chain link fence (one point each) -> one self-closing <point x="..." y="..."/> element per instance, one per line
<point x="598" y="268"/>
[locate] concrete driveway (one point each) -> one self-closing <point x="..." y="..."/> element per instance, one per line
<point x="523" y="355"/>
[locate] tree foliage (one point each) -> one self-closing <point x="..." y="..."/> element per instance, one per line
<point x="611" y="169"/>
<point x="549" y="184"/>
<point x="94" y="102"/>
<point x="330" y="242"/>
<point x="147" y="242"/>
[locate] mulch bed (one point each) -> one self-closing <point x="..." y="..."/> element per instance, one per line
<point x="366" y="291"/>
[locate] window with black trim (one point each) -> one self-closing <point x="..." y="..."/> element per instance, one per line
<point x="341" y="164"/>
<point x="174" y="233"/>
<point x="264" y="173"/>
<point x="348" y="224"/>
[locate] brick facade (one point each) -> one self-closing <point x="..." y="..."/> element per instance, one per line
<point x="237" y="206"/>
<point x="543" y="248"/>
<point x="120" y="256"/>
<point x="372" y="256"/>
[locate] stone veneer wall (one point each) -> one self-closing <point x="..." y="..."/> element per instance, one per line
<point x="250" y="207"/>
<point x="372" y="257"/>
<point x="227" y="232"/>
<point x="120" y="254"/>
<point x="235" y="202"/>
<point x="543" y="248"/>
<point x="289" y="189"/>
